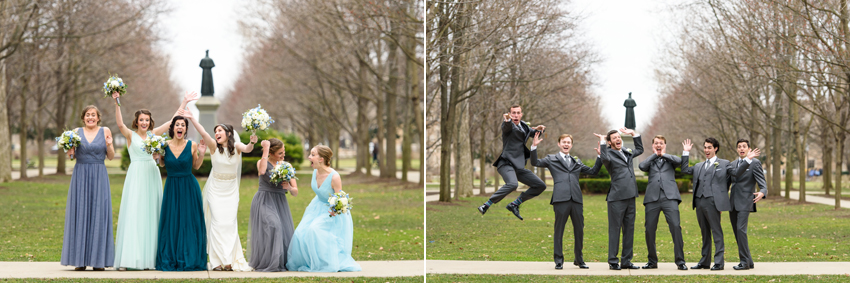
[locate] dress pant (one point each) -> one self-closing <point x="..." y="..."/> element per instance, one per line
<point x="512" y="177"/>
<point x="621" y="217"/>
<point x="670" y="207"/>
<point x="563" y="211"/>
<point x="709" y="225"/>
<point x="739" y="220"/>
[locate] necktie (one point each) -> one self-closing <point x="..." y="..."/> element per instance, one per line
<point x="706" y="164"/>
<point x="567" y="158"/>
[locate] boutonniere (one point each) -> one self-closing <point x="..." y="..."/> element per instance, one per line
<point x="528" y="124"/>
<point x="629" y="150"/>
<point x="715" y="164"/>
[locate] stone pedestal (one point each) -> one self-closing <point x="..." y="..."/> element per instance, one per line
<point x="207" y="106"/>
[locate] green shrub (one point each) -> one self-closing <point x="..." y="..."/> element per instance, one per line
<point x="603" y="173"/>
<point x="292" y="145"/>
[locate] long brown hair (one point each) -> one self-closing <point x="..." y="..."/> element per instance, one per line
<point x="135" y="125"/>
<point x="228" y="133"/>
<point x="325" y="153"/>
<point x="90" y="107"/>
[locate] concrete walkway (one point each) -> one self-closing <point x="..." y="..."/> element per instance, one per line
<point x="395" y="268"/>
<point x="601" y="268"/>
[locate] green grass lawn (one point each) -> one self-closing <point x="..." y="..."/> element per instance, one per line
<point x="641" y="278"/>
<point x="779" y="231"/>
<point x="387" y="216"/>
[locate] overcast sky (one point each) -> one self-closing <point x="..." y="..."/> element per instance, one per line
<point x="628" y="36"/>
<point x="195" y="26"/>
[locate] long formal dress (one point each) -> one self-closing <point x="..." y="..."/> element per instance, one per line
<point x="271" y="226"/>
<point x="221" y="202"/>
<point x="182" y="235"/>
<point x="138" y="219"/>
<point x="322" y="243"/>
<point x="88" y="212"/>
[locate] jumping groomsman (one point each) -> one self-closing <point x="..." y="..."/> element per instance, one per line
<point x="662" y="194"/>
<point x="743" y="202"/>
<point x="566" y="196"/>
<point x="511" y="163"/>
<point x="621" y="195"/>
<point x="711" y="196"/>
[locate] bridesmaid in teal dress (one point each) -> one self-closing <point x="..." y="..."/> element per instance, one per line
<point x="138" y="219"/>
<point x="322" y="241"/>
<point x="182" y="242"/>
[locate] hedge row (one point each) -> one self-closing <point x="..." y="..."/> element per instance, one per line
<point x="601" y="186"/>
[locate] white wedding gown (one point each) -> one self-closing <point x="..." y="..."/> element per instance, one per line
<point x="221" y="202"/>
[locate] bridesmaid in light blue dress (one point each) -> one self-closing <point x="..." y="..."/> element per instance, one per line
<point x="87" y="240"/>
<point x="322" y="241"/>
<point x="138" y="219"/>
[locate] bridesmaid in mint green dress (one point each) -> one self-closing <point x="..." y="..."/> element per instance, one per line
<point x="138" y="217"/>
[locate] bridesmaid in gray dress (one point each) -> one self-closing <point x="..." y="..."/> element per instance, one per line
<point x="88" y="212"/>
<point x="270" y="222"/>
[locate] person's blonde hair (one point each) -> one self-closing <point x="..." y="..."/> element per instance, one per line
<point x="566" y="136"/>
<point x="660" y="137"/>
<point x="325" y="152"/>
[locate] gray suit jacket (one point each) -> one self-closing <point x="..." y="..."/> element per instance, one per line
<point x="623" y="183"/>
<point x="718" y="180"/>
<point x="514" y="150"/>
<point x="741" y="192"/>
<point x="661" y="177"/>
<point x="566" y="178"/>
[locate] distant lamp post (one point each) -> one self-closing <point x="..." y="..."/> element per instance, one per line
<point x="207" y="104"/>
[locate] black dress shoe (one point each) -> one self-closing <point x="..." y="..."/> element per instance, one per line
<point x="682" y="267"/>
<point x="650" y="266"/>
<point x="613" y="266"/>
<point x="717" y="267"/>
<point x="515" y="209"/>
<point x="630" y="266"/>
<point x="752" y="265"/>
<point x="741" y="267"/>
<point x="581" y="265"/>
<point x="559" y="266"/>
<point x="701" y="267"/>
<point x="483" y="208"/>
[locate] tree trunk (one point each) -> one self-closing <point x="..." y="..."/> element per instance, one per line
<point x="776" y="160"/>
<point x="5" y="134"/>
<point x="389" y="168"/>
<point x="839" y="158"/>
<point x="827" y="161"/>
<point x="798" y="147"/>
<point x="380" y="114"/>
<point x="447" y="109"/>
<point x="463" y="168"/>
<point x="482" y="161"/>
<point x="406" y="142"/>
<point x="363" y="154"/>
<point x="24" y="127"/>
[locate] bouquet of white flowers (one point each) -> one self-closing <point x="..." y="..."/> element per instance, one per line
<point x="155" y="144"/>
<point x="339" y="202"/>
<point x="68" y="140"/>
<point x="114" y="84"/>
<point x="282" y="172"/>
<point x="256" y="119"/>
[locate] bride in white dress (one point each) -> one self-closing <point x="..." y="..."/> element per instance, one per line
<point x="221" y="197"/>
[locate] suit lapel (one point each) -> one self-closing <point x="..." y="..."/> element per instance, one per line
<point x="558" y="156"/>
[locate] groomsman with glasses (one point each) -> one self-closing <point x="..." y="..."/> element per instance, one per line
<point x="621" y="195"/>
<point x="511" y="162"/>
<point x="566" y="196"/>
<point x="711" y="196"/>
<point x="662" y="194"/>
<point x="744" y="201"/>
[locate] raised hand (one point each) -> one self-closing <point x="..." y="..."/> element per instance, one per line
<point x="253" y="138"/>
<point x="753" y="153"/>
<point x="540" y="128"/>
<point x="507" y="117"/>
<point x="536" y="139"/>
<point x="265" y="144"/>
<point x="115" y="95"/>
<point x="627" y="131"/>
<point x="187" y="114"/>
<point x="202" y="147"/>
<point x="687" y="144"/>
<point x="601" y="137"/>
<point x="190" y="96"/>
<point x="598" y="149"/>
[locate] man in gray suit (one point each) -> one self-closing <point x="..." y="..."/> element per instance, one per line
<point x="662" y="194"/>
<point x="511" y="163"/>
<point x="711" y="196"/>
<point x="621" y="195"/>
<point x="566" y="196"/>
<point x="744" y="201"/>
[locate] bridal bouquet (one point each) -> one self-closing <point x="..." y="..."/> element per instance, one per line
<point x="68" y="140"/>
<point x="282" y="172"/>
<point x="114" y="84"/>
<point x="155" y="144"/>
<point x="339" y="202"/>
<point x="256" y="119"/>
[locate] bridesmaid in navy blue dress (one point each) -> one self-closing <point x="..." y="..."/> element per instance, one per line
<point x="182" y="244"/>
<point x="88" y="213"/>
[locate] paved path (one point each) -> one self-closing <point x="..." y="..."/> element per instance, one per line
<point x="55" y="270"/>
<point x="601" y="268"/>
